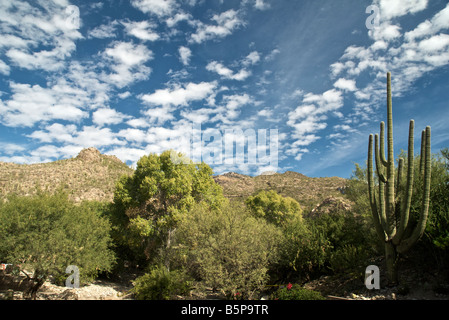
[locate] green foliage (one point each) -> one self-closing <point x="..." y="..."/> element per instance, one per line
<point x="347" y="242"/>
<point x="46" y="233"/>
<point x="227" y="249"/>
<point x="149" y="204"/>
<point x="302" y="252"/>
<point x="435" y="240"/>
<point x="161" y="284"/>
<point x="273" y="207"/>
<point x="296" y="292"/>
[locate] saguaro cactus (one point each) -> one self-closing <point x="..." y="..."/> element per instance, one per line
<point x="390" y="205"/>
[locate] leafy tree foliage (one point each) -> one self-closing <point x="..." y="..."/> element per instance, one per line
<point x="149" y="204"/>
<point x="273" y="207"/>
<point x="44" y="234"/>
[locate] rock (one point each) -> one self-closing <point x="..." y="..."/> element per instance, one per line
<point x="89" y="155"/>
<point x="68" y="295"/>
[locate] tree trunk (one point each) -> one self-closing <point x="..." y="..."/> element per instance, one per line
<point x="392" y="263"/>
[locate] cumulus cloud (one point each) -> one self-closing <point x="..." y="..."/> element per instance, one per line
<point x="31" y="104"/>
<point x="227" y="73"/>
<point x="143" y="30"/>
<point x="180" y="95"/>
<point x="396" y="8"/>
<point x="184" y="55"/>
<point x="345" y="84"/>
<point x="251" y="59"/>
<point x="127" y="63"/>
<point x="25" y="27"/>
<point x="159" y="8"/>
<point x="107" y="116"/>
<point x="104" y="31"/>
<point x="310" y="117"/>
<point x="225" y="24"/>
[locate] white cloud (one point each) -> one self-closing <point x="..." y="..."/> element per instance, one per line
<point x="180" y="95"/>
<point x="24" y="27"/>
<point x="261" y="5"/>
<point x="158" y="7"/>
<point x="226" y="23"/>
<point x="185" y="54"/>
<point x="251" y="59"/>
<point x="128" y="63"/>
<point x="107" y="116"/>
<point x="4" y="68"/>
<point x="103" y="31"/>
<point x="345" y="84"/>
<point x="309" y="118"/>
<point x="227" y="73"/>
<point x="124" y="95"/>
<point x="142" y="30"/>
<point x="390" y="9"/>
<point x="180" y="16"/>
<point x="138" y="123"/>
<point x="11" y="148"/>
<point x="385" y="32"/>
<point x="230" y="110"/>
<point x="31" y="104"/>
<point x="272" y="54"/>
<point x="436" y="43"/>
<point x="132" y="134"/>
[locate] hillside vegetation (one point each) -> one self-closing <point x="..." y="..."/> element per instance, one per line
<point x="92" y="176"/>
<point x="89" y="176"/>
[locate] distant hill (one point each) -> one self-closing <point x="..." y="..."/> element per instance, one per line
<point x="89" y="176"/>
<point x="92" y="176"/>
<point x="309" y="192"/>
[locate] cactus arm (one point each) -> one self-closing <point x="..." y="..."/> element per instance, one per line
<point x="382" y="144"/>
<point x="405" y="210"/>
<point x="372" y="194"/>
<point x="399" y="177"/>
<point x="420" y="227"/>
<point x="421" y="160"/>
<point x="379" y="166"/>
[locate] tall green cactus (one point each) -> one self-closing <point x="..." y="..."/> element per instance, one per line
<point x="390" y="205"/>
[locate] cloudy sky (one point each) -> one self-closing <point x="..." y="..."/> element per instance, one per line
<point x="133" y="77"/>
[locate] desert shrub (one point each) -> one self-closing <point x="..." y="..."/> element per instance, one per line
<point x="302" y="253"/>
<point x="435" y="242"/>
<point x="296" y="292"/>
<point x="161" y="284"/>
<point x="273" y="207"/>
<point x="227" y="249"/>
<point x="349" y="244"/>
<point x="47" y="233"/>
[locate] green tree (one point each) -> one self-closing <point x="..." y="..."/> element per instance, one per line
<point x="148" y="204"/>
<point x="273" y="207"/>
<point x="44" y="234"/>
<point x="227" y="249"/>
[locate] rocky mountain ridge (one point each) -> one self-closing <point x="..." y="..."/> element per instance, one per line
<point x="92" y="176"/>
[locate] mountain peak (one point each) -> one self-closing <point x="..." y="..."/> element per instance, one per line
<point x="89" y="154"/>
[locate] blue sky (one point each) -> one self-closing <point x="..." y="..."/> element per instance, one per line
<point x="134" y="77"/>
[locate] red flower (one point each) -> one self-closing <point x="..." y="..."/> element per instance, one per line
<point x="289" y="286"/>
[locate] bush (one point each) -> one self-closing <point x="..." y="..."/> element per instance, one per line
<point x="47" y="233"/>
<point x="161" y="284"/>
<point x="302" y="252"/>
<point x="296" y="292"/>
<point x="273" y="207"/>
<point x="227" y="249"/>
